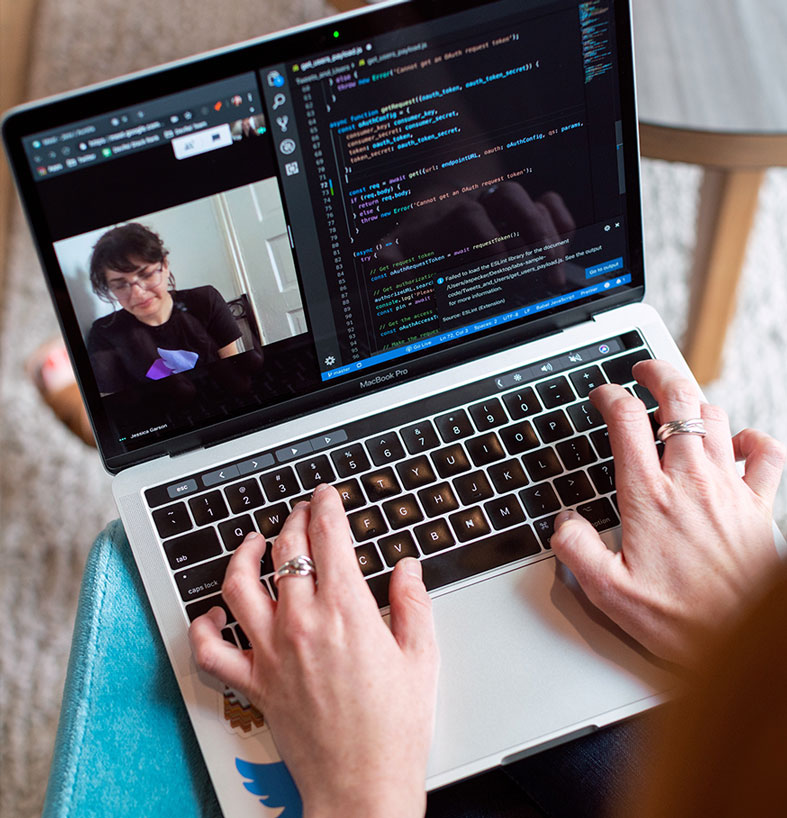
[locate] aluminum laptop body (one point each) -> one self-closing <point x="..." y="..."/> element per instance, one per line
<point x="426" y="207"/>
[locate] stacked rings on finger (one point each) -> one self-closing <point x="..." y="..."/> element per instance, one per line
<point x="692" y="426"/>
<point x="300" y="566"/>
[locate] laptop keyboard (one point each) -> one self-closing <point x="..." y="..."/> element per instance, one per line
<point x="466" y="481"/>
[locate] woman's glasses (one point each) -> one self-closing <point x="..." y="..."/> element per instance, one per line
<point x="146" y="279"/>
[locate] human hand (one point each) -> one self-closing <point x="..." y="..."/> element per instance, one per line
<point x="696" y="537"/>
<point x="350" y="702"/>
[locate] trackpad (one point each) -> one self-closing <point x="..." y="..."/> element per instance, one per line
<point x="524" y="655"/>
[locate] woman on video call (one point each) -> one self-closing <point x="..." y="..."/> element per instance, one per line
<point x="159" y="331"/>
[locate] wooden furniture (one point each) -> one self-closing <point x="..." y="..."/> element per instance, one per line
<point x="712" y="88"/>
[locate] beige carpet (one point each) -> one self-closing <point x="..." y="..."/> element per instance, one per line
<point x="54" y="495"/>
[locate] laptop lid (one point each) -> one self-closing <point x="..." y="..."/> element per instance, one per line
<point x="332" y="210"/>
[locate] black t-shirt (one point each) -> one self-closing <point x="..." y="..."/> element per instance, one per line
<point x="124" y="351"/>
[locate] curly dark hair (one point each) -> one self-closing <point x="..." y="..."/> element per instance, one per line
<point x="122" y="249"/>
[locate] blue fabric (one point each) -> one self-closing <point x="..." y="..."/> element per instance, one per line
<point x="124" y="743"/>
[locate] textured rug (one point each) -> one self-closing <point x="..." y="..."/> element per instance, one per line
<point x="54" y="495"/>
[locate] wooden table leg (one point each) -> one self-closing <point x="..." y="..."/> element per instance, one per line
<point x="728" y="203"/>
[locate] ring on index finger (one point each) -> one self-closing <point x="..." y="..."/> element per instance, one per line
<point x="691" y="426"/>
<point x="300" y="566"/>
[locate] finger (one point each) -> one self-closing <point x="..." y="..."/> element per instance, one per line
<point x="412" y="623"/>
<point x="559" y="213"/>
<point x="510" y="206"/>
<point x="630" y="435"/>
<point x="718" y="442"/>
<point x="678" y="399"/>
<point x="331" y="544"/>
<point x="243" y="592"/>
<point x="599" y="571"/>
<point x="764" y="462"/>
<point x="216" y="656"/>
<point x="292" y="542"/>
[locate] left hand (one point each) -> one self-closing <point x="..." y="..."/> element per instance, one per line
<point x="350" y="702"/>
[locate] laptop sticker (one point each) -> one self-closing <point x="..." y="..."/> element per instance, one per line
<point x="239" y="715"/>
<point x="274" y="786"/>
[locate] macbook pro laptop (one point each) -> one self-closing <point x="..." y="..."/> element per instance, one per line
<point x="401" y="248"/>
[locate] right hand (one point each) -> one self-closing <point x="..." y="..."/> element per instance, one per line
<point x="697" y="538"/>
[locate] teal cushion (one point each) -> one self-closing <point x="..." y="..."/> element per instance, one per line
<point x="124" y="743"/>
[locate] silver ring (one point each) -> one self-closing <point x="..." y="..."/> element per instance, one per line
<point x="300" y="566"/>
<point x="692" y="426"/>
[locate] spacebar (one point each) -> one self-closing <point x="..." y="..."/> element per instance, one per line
<point x="467" y="561"/>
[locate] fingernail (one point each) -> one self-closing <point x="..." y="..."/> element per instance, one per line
<point x="320" y="488"/>
<point x="564" y="517"/>
<point x="412" y="567"/>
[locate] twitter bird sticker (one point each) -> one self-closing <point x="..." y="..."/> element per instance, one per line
<point x="274" y="786"/>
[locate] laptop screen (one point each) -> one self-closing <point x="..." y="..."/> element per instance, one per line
<point x="322" y="214"/>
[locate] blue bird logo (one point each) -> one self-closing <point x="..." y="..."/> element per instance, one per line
<point x="274" y="785"/>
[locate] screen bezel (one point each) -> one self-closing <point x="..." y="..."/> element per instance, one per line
<point x="252" y="56"/>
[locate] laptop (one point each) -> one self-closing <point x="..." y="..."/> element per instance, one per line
<point x="398" y="249"/>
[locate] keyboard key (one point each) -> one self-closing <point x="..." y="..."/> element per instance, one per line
<point x="618" y="370"/>
<point x="434" y="536"/>
<point x="420" y="437"/>
<point x="454" y="426"/>
<point x="473" y="487"/>
<point x="488" y="415"/>
<point x="522" y="403"/>
<point x="314" y="471"/>
<point x="351" y="494"/>
<point x="576" y="452"/>
<point x="367" y="524"/>
<point x="600" y="513"/>
<point x="438" y="500"/>
<point x="271" y="519"/>
<point x="519" y="437"/>
<point x="172" y="520"/>
<point x="587" y="379"/>
<point x="553" y="426"/>
<point x="234" y="531"/>
<point x="202" y="579"/>
<point x="555" y="392"/>
<point x="600" y="440"/>
<point x="416" y="473"/>
<point x="396" y="546"/>
<point x="208" y="508"/>
<point x="469" y="524"/>
<point x="540" y="499"/>
<point x="645" y="396"/>
<point x="402" y="512"/>
<point x="381" y="484"/>
<point x="508" y="476"/>
<point x="243" y="640"/>
<point x="368" y="559"/>
<point x="228" y="635"/>
<point x="385" y="449"/>
<point x="504" y="512"/>
<point x="603" y="476"/>
<point x="196" y="546"/>
<point x="244" y="496"/>
<point x="350" y="461"/>
<point x="545" y="529"/>
<point x="204" y="605"/>
<point x="542" y="464"/>
<point x="450" y="461"/>
<point x="574" y="488"/>
<point x="280" y="484"/>
<point x="485" y="449"/>
<point x="477" y="557"/>
<point x="585" y="416"/>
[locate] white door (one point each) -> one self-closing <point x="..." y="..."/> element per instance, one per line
<point x="259" y="231"/>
